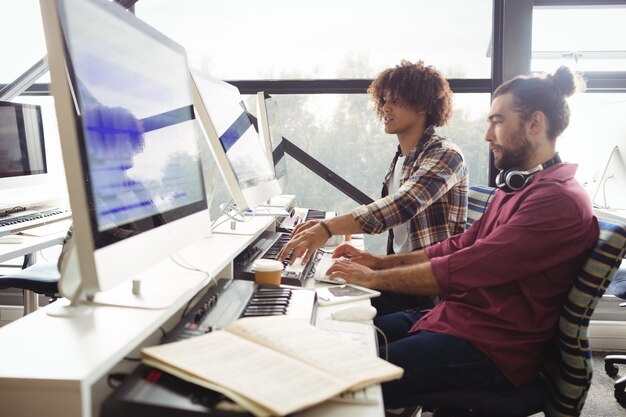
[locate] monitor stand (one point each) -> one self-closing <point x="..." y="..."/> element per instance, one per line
<point x="131" y="294"/>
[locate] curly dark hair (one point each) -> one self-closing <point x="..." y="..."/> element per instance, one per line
<point x="417" y="85"/>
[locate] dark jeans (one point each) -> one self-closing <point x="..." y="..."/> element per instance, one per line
<point x="391" y="302"/>
<point x="432" y="361"/>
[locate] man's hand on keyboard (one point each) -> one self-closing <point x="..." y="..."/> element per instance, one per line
<point x="357" y="255"/>
<point x="352" y="273"/>
<point x="306" y="238"/>
<point x="301" y="226"/>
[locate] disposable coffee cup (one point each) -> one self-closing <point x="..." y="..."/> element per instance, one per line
<point x="267" y="271"/>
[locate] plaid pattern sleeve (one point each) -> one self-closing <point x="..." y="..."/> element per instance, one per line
<point x="433" y="197"/>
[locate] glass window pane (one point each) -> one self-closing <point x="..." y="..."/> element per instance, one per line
<point x="251" y="39"/>
<point x="584" y="38"/>
<point x="597" y="125"/>
<point x="23" y="41"/>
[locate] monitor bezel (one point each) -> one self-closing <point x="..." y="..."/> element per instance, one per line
<point x="100" y="269"/>
<point x="21" y="128"/>
<point x="244" y="198"/>
<point x="265" y="132"/>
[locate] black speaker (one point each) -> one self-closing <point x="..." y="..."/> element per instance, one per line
<point x="514" y="179"/>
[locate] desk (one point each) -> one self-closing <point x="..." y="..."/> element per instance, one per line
<point x="58" y="367"/>
<point x="31" y="244"/>
<point x="611" y="214"/>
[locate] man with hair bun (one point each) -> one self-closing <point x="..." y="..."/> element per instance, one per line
<point x="424" y="197"/>
<point x="503" y="282"/>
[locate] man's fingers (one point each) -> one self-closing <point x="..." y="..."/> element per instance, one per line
<point x="342" y="250"/>
<point x="302" y="227"/>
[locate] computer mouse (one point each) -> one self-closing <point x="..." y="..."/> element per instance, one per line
<point x="357" y="312"/>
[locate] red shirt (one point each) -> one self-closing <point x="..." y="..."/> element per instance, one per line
<point x="505" y="280"/>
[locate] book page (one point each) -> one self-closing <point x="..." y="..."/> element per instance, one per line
<point x="275" y="381"/>
<point x="324" y="350"/>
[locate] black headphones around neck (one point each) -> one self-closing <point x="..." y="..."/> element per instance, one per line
<point x="514" y="180"/>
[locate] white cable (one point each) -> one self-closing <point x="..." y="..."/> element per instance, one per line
<point x="384" y="339"/>
<point x="190" y="267"/>
<point x="222" y="211"/>
<point x="232" y="217"/>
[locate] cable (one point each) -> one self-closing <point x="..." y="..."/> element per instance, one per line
<point x="118" y="377"/>
<point x="384" y="339"/>
<point x="204" y="287"/>
<point x="232" y="217"/>
<point x="222" y="211"/>
<point x="190" y="267"/>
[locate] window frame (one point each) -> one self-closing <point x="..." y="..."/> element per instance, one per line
<point x="511" y="55"/>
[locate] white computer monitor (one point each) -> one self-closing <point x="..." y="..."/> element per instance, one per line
<point x="610" y="192"/>
<point x="129" y="140"/>
<point x="234" y="141"/>
<point x="270" y="129"/>
<point x="24" y="179"/>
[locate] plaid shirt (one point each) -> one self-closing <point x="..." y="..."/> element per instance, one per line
<point x="432" y="197"/>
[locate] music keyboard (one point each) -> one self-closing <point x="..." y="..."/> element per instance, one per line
<point x="152" y="393"/>
<point x="267" y="246"/>
<point x="32" y="218"/>
<point x="299" y="215"/>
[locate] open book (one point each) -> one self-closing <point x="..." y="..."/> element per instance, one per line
<point x="272" y="365"/>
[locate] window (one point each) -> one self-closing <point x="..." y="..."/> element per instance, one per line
<point x="343" y="133"/>
<point x="597" y="126"/>
<point x="291" y="40"/>
<point x="278" y="39"/>
<point x="599" y="51"/>
<point x="584" y="38"/>
<point x="22" y="37"/>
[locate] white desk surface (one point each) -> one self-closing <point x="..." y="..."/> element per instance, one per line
<point x="612" y="214"/>
<point x="30" y="244"/>
<point x="56" y="366"/>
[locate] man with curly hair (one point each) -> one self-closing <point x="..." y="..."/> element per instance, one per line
<point x="424" y="197"/>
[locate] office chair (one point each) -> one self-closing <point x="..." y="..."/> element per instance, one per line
<point x="618" y="289"/>
<point x="566" y="369"/>
<point x="478" y="198"/>
<point x="39" y="278"/>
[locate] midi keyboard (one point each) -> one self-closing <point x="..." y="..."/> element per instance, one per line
<point x="25" y="220"/>
<point x="149" y="392"/>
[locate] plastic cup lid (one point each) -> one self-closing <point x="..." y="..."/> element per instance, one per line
<point x="267" y="265"/>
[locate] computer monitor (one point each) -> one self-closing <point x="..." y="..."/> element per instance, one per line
<point x="23" y="167"/>
<point x="269" y="125"/>
<point x="129" y="140"/>
<point x="611" y="189"/>
<point x="234" y="141"/>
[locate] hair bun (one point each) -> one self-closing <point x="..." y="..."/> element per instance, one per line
<point x="566" y="82"/>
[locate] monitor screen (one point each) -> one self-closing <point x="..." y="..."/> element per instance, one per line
<point x="270" y="131"/>
<point x="22" y="149"/>
<point x="24" y="179"/>
<point x="129" y="139"/>
<point x="234" y="141"/>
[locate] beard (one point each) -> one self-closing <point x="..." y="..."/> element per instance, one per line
<point x="516" y="153"/>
